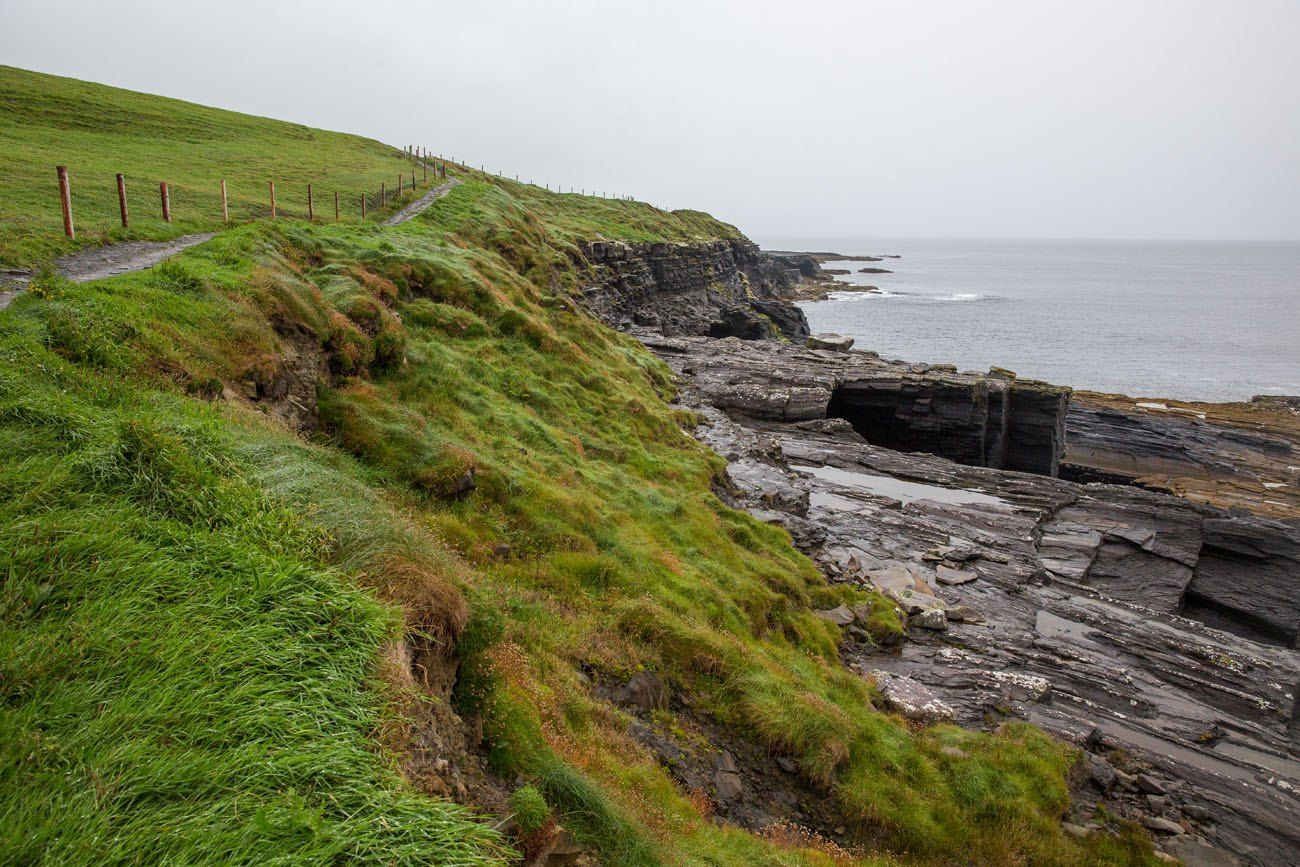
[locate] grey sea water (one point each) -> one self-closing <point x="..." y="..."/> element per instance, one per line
<point x="1192" y="320"/>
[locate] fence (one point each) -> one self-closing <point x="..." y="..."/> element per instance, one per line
<point x="368" y="200"/>
<point x="405" y="183"/>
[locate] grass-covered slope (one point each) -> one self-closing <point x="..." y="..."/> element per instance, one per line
<point x="186" y="676"/>
<point x="99" y="131"/>
<point x="199" y="608"/>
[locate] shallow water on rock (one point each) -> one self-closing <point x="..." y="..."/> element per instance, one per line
<point x="1049" y="625"/>
<point x="898" y="489"/>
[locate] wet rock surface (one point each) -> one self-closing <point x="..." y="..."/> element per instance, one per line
<point x="1154" y="632"/>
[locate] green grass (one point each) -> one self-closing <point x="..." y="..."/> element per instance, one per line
<point x="197" y="601"/>
<point x="98" y="131"/>
<point x="185" y="676"/>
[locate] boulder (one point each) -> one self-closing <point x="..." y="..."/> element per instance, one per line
<point x="930" y="618"/>
<point x="1149" y="785"/>
<point x="914" y="603"/>
<point x="1162" y="825"/>
<point x="964" y="614"/>
<point x="645" y="691"/>
<point x="1100" y="772"/>
<point x="841" y="616"/>
<point x="728" y="786"/>
<point x="910" y="698"/>
<point x="897" y="578"/>
<point x="563" y="849"/>
<point x="832" y="342"/>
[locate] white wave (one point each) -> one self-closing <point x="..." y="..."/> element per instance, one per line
<point x="879" y="293"/>
<point x="960" y="296"/>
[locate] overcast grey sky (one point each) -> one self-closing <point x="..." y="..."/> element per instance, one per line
<point x="1106" y="118"/>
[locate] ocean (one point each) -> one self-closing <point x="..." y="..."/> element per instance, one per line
<point x="1212" y="321"/>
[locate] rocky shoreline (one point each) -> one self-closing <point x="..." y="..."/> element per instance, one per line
<point x="1124" y="574"/>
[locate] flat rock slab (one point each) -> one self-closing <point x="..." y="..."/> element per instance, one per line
<point x="1195" y="852"/>
<point x="910" y="698"/>
<point x="832" y="342"/>
<point x="950" y="577"/>
<point x="841" y="616"/>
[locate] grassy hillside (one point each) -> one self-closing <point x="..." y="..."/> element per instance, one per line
<point x="98" y="131"/>
<point x="203" y="613"/>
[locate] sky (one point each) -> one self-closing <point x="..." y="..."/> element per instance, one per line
<point x="1138" y="119"/>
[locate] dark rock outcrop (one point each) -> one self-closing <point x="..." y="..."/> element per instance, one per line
<point x="805" y="263"/>
<point x="718" y="288"/>
<point x="1119" y="618"/>
<point x="966" y="417"/>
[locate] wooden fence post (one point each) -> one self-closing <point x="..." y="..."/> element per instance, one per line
<point x="412" y="180"/>
<point x="271" y="184"/>
<point x="336" y="206"/>
<point x="166" y="201"/>
<point x="425" y="162"/>
<point x="121" y="197"/>
<point x="65" y="200"/>
<point x="225" y="208"/>
<point x="311" y="205"/>
<point x="363" y="206"/>
<point x="383" y="196"/>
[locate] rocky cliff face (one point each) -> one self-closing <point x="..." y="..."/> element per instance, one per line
<point x="719" y="288"/>
<point x="1153" y="631"/>
<point x="969" y="418"/>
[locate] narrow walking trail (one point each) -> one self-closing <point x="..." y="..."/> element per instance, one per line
<point x="129" y="256"/>
<point x="101" y="262"/>
<point x="421" y="203"/>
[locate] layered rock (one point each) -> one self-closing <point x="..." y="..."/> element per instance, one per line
<point x="1135" y="623"/>
<point x="966" y="417"/>
<point x="717" y="288"/>
<point x="1230" y="455"/>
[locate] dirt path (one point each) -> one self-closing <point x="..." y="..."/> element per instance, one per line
<point x="131" y="256"/>
<point x="103" y="262"/>
<point x="421" y="203"/>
